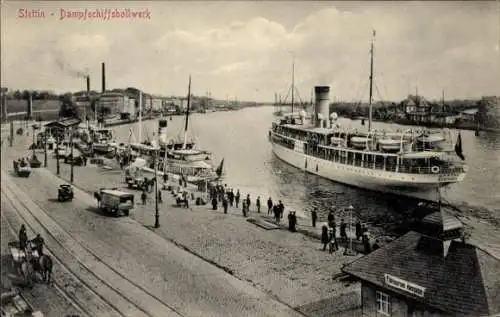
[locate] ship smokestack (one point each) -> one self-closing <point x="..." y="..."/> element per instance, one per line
<point x="103" y="77"/>
<point x="88" y="85"/>
<point x="322" y="107"/>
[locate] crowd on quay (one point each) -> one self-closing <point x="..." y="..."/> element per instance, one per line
<point x="223" y="195"/>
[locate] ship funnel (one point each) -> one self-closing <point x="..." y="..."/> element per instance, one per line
<point x="322" y="108"/>
<point x="103" y="74"/>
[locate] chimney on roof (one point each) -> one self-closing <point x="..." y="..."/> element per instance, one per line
<point x="438" y="230"/>
<point x="103" y="71"/>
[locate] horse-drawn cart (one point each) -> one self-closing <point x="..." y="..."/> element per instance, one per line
<point x="27" y="262"/>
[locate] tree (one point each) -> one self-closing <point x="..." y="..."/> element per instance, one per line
<point x="17" y="95"/>
<point x="68" y="107"/>
<point x="25" y="95"/>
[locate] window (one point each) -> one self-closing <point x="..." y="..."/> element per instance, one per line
<point x="383" y="303"/>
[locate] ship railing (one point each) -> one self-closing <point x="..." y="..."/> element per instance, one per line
<point x="455" y="170"/>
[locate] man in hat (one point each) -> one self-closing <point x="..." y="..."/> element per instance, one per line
<point x="23" y="237"/>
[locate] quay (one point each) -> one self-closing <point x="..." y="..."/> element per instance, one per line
<point x="172" y="270"/>
<point x="264" y="272"/>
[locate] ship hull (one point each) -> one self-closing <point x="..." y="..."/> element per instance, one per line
<point x="419" y="186"/>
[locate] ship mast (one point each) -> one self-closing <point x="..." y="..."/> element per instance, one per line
<point x="371" y="85"/>
<point x="293" y="81"/>
<point x="187" y="114"/>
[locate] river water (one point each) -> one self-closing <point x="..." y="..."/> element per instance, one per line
<point x="240" y="137"/>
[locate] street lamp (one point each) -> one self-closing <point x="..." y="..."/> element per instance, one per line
<point x="157" y="212"/>
<point x="33" y="145"/>
<point x="71" y="177"/>
<point x="350" y="251"/>
<point x="11" y="140"/>
<point x="45" y="148"/>
<point x="58" y="139"/>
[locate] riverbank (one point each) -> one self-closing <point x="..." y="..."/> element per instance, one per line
<point x="471" y="126"/>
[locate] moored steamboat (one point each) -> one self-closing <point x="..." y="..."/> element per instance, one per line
<point x="413" y="163"/>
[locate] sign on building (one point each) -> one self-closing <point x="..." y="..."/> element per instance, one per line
<point x="404" y="285"/>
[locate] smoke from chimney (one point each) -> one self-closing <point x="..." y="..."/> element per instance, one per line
<point x="103" y="77"/>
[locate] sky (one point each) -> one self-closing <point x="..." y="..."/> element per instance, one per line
<point x="245" y="50"/>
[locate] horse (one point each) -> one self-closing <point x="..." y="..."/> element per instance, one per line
<point x="26" y="270"/>
<point x="45" y="267"/>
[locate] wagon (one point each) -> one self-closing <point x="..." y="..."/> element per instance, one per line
<point x="19" y="255"/>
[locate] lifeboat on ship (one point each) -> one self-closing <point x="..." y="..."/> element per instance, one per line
<point x="360" y="142"/>
<point x="391" y="145"/>
<point x="336" y="141"/>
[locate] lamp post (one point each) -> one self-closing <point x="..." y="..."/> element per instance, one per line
<point x="33" y="145"/>
<point x="58" y="139"/>
<point x="71" y="177"/>
<point x="351" y="208"/>
<point x="45" y="148"/>
<point x="11" y="140"/>
<point x="157" y="212"/>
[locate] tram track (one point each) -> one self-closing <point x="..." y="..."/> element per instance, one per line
<point x="144" y="303"/>
<point x="55" y="282"/>
<point x="57" y="259"/>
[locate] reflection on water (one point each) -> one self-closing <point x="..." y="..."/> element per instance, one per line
<point x="241" y="138"/>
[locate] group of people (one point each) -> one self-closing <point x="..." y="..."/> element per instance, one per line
<point x="37" y="242"/>
<point x="223" y="194"/>
<point x="277" y="209"/>
<point x="329" y="236"/>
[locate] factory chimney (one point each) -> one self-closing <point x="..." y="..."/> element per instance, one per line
<point x="103" y="77"/>
<point x="322" y="107"/>
<point x="88" y="85"/>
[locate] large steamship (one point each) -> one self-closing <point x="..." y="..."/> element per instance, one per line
<point x="415" y="163"/>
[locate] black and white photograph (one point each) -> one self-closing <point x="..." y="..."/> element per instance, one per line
<point x="250" y="158"/>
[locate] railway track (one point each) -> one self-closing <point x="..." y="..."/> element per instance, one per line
<point x="125" y="296"/>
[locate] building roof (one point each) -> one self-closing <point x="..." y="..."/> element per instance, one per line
<point x="465" y="281"/>
<point x="64" y="123"/>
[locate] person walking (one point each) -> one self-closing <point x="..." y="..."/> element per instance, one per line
<point x="276" y="210"/>
<point x="359" y="231"/>
<point x="314" y="217"/>
<point x="269" y="206"/>
<point x="343" y="230"/>
<point x="333" y="240"/>
<point x="324" y="236"/>
<point x="281" y="209"/>
<point x="23" y="237"/>
<point x="244" y="208"/>
<point x="237" y="198"/>
<point x="231" y="197"/>
<point x="144" y="197"/>
<point x="331" y="219"/>
<point x="225" y="204"/>
<point x="294" y="222"/>
<point x="257" y="203"/>
<point x="249" y="202"/>
<point x="214" y="203"/>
